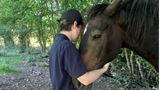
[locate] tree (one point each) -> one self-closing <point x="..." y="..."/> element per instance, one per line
<point x="38" y="18"/>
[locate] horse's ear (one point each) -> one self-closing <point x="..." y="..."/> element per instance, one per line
<point x="110" y="10"/>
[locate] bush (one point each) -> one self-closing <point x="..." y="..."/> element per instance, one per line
<point x="134" y="72"/>
<point x="32" y="58"/>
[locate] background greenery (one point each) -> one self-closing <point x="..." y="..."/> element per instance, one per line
<point x="29" y="26"/>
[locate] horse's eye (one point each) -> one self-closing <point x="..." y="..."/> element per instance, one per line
<point x="96" y="37"/>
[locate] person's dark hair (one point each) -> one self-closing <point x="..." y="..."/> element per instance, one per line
<point x="67" y="19"/>
<point x="66" y="25"/>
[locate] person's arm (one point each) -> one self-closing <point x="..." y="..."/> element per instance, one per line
<point x="91" y="76"/>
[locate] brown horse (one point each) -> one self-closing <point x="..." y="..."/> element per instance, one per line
<point x="129" y="24"/>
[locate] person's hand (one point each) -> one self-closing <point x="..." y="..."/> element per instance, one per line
<point x="106" y="65"/>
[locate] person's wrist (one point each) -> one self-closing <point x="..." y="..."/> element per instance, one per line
<point x="104" y="69"/>
<point x="106" y="66"/>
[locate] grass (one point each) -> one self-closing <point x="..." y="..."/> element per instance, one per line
<point x="9" y="58"/>
<point x="32" y="58"/>
<point x="42" y="64"/>
<point x="7" y="63"/>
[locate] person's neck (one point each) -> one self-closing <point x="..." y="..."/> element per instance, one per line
<point x="67" y="33"/>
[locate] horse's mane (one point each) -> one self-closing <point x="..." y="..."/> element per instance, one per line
<point x="141" y="14"/>
<point x="93" y="11"/>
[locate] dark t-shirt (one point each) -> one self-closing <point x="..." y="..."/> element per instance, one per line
<point x="65" y="63"/>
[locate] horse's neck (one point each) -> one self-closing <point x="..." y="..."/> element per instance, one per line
<point x="147" y="49"/>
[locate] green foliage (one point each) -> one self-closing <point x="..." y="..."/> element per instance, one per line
<point x="9" y="59"/>
<point x="146" y="64"/>
<point x="7" y="69"/>
<point x="7" y="62"/>
<point x="37" y="18"/>
<point x="7" y="34"/>
<point x="6" y="54"/>
<point x="42" y="64"/>
<point x="146" y="78"/>
<point x="32" y="58"/>
<point x="2" y="54"/>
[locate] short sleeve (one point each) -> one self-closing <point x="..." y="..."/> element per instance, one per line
<point x="73" y="62"/>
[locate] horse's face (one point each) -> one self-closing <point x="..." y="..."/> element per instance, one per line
<point x="100" y="43"/>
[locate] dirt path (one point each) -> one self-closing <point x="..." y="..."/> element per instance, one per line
<point x="37" y="78"/>
<point x="32" y="78"/>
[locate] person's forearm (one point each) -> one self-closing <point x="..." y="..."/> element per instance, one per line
<point x="93" y="75"/>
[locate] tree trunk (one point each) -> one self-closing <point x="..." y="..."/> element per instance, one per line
<point x="22" y="41"/>
<point x="42" y="41"/>
<point x="27" y="42"/>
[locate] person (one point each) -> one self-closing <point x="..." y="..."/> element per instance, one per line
<point x="65" y="61"/>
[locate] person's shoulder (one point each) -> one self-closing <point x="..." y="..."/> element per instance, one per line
<point x="67" y="43"/>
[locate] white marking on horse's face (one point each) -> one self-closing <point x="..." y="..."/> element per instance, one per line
<point x="85" y="30"/>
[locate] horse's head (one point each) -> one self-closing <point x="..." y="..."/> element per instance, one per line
<point x="130" y="24"/>
<point x="101" y="40"/>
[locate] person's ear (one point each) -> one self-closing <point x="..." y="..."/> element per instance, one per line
<point x="75" y="24"/>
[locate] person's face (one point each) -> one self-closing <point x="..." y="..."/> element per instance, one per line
<point x="76" y="31"/>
